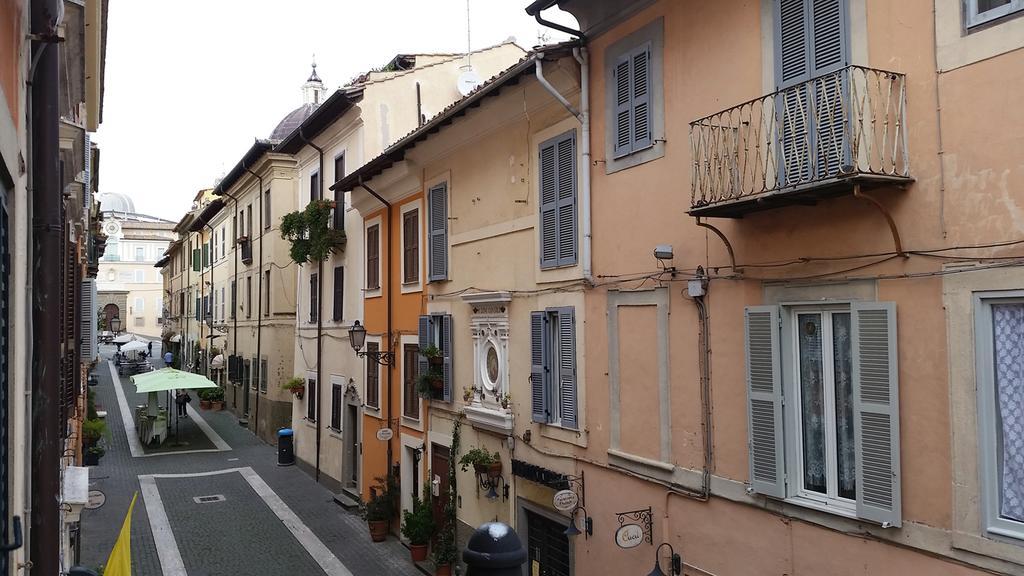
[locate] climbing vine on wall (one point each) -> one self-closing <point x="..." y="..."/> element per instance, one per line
<point x="310" y="233"/>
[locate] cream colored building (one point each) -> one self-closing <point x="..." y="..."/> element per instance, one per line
<point x="127" y="285"/>
<point x="335" y="426"/>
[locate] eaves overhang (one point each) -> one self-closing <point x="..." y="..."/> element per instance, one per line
<point x="206" y="215"/>
<point x="249" y="159"/>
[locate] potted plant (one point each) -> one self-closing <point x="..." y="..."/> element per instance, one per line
<point x="92" y="431"/>
<point x="310" y="233"/>
<point x="433" y="355"/>
<point x="216" y="397"/>
<point x="418" y="526"/>
<point x="296" y="386"/>
<point x="445" y="553"/>
<point x="204" y="398"/>
<point x="379" y="510"/>
<point x="482" y="461"/>
<point x="93" y="454"/>
<point x="431" y="384"/>
<point x="467" y="393"/>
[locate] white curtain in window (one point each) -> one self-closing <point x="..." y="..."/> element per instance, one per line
<point x="1008" y="328"/>
<point x="812" y="402"/>
<point x="846" y="455"/>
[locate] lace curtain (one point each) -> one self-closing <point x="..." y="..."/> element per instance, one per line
<point x="813" y="406"/>
<point x="1008" y="328"/>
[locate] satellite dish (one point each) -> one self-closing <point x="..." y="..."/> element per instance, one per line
<point x="468" y="81"/>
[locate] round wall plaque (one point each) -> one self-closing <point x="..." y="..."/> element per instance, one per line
<point x="385" y="434"/>
<point x="629" y="536"/>
<point x="565" y="500"/>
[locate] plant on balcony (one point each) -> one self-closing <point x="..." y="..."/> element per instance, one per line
<point x="310" y="233"/>
<point x="433" y="355"/>
<point x="418" y="525"/>
<point x="431" y="384"/>
<point x="379" y="510"/>
<point x="482" y="461"/>
<point x="296" y="386"/>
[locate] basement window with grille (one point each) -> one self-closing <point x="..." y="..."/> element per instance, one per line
<point x="823" y="407"/>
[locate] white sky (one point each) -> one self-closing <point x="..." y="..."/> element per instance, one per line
<point x="190" y="84"/>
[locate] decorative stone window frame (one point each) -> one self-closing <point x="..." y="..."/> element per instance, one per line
<point x="961" y="293"/>
<point x="489" y="326"/>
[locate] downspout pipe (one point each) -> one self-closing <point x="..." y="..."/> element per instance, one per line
<point x="583" y="115"/>
<point x="47" y="231"/>
<point x="213" y="293"/>
<point x="259" y="310"/>
<point x="319" y="310"/>
<point x="234" y="280"/>
<point x="391" y="371"/>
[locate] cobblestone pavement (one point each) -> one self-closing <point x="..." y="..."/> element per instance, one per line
<point x="242" y="534"/>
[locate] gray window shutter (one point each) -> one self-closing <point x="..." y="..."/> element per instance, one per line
<point x="792" y="69"/>
<point x="538" y="388"/>
<point x="640" y="66"/>
<point x="764" y="401"/>
<point x="828" y="56"/>
<point x="567" y="367"/>
<point x="566" y="207"/>
<point x="88" y="319"/>
<point x="424" y="342"/>
<point x="548" y="206"/>
<point x="446" y="348"/>
<point x="438" y="231"/>
<point x="623" y="134"/>
<point x="876" y="412"/>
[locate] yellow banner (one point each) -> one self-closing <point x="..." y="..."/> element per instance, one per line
<point x="120" y="561"/>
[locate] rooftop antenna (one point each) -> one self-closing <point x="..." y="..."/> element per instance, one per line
<point x="468" y="80"/>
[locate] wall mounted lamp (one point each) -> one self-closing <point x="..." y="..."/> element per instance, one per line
<point x="357" y="338"/>
<point x="675" y="562"/>
<point x="588" y="524"/>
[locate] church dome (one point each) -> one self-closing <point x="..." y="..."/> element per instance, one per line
<point x="115" y="202"/>
<point x="289" y="123"/>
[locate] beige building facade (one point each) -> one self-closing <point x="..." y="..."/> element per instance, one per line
<point x="336" y="421"/>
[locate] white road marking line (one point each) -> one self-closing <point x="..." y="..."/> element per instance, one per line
<point x="167" y="548"/>
<point x="126" y="416"/>
<point x="210" y="432"/>
<point x="167" y="551"/>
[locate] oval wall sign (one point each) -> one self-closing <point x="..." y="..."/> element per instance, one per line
<point x="385" y="434"/>
<point x="629" y="536"/>
<point x="565" y="500"/>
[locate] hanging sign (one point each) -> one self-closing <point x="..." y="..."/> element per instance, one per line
<point x="96" y="500"/>
<point x="565" y="500"/>
<point x="629" y="535"/>
<point x="385" y="434"/>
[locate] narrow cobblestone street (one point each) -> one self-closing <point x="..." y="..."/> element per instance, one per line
<point x="271" y="520"/>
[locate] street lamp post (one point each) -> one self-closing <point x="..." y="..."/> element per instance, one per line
<point x="115" y="325"/>
<point x="357" y="338"/>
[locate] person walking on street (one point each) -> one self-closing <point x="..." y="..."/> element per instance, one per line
<point x="182" y="398"/>
<point x="149" y="349"/>
<point x="168" y="358"/>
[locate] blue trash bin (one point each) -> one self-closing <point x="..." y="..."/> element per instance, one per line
<point x="285" y="447"/>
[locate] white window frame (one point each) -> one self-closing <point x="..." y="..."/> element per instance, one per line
<point x="416" y="286"/>
<point x="378" y="291"/>
<point x="140" y="305"/>
<point x="340" y="381"/>
<point x="140" y="253"/>
<point x="795" y="491"/>
<point x="992" y="522"/>
<point x="414" y="423"/>
<point x="975" y="18"/>
<point x="137" y="274"/>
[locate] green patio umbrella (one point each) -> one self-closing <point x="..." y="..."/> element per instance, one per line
<point x="170" y="379"/>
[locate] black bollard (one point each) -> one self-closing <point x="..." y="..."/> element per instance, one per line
<point x="494" y="550"/>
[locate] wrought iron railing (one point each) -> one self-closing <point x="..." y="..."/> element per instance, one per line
<point x="850" y="123"/>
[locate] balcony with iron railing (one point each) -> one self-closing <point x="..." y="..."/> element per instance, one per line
<point x="818" y="139"/>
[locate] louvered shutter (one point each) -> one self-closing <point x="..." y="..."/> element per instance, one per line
<point x="548" y="206"/>
<point x="232" y="368"/>
<point x="792" y="70"/>
<point x="438" y="225"/>
<point x="196" y="262"/>
<point x="567" y="367"/>
<point x="447" y="349"/>
<point x="88" y="319"/>
<point x="764" y="401"/>
<point x="829" y="56"/>
<point x="566" y="208"/>
<point x="425" y="340"/>
<point x="538" y="349"/>
<point x="876" y="412"/>
<point x="623" y="128"/>
<point x="264" y="369"/>
<point x="640" y="83"/>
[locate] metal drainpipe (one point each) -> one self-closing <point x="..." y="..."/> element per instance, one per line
<point x="234" y="303"/>
<point x="394" y="357"/>
<point x="212" y="296"/>
<point x="47" y="232"/>
<point x="259" y="309"/>
<point x="319" y="310"/>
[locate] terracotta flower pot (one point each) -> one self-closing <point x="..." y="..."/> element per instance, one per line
<point x="435" y="361"/>
<point x="297" y="392"/>
<point x="443" y="570"/>
<point x="418" y="551"/>
<point x="480" y="469"/>
<point x="494" y="470"/>
<point x="437" y="383"/>
<point x="204" y="404"/>
<point x="378" y="530"/>
<point x="217" y="404"/>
